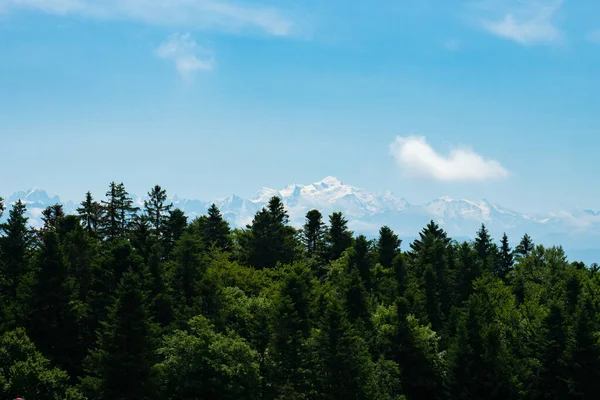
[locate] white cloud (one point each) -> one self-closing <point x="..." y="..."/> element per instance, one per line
<point x="527" y="22"/>
<point x="188" y="56"/>
<point x="197" y="14"/>
<point x="416" y="157"/>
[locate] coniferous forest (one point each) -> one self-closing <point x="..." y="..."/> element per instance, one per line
<point x="121" y="302"/>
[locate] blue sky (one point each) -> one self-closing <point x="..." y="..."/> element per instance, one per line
<point x="493" y="99"/>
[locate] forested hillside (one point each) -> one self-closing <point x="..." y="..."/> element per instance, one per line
<point x="117" y="302"/>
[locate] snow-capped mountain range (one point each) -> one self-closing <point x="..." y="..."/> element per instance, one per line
<point x="367" y="212"/>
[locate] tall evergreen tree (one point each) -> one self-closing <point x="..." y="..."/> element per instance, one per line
<point x="14" y="246"/>
<point x="344" y="366"/>
<point x="432" y="229"/>
<point x="388" y="247"/>
<point x="361" y="258"/>
<point x="120" y="366"/>
<point x="338" y="237"/>
<point x="216" y="230"/>
<point x="506" y="260"/>
<point x="291" y="328"/>
<point x="313" y="233"/>
<point x="271" y="240"/>
<point x="53" y="322"/>
<point x="483" y="243"/>
<point x="156" y="210"/>
<point x="51" y="216"/>
<point x="525" y="247"/>
<point x="119" y="211"/>
<point x="91" y="213"/>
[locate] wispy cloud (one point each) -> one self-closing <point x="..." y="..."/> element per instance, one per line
<point x="527" y="22"/>
<point x="415" y="157"/>
<point x="193" y="14"/>
<point x="189" y="57"/>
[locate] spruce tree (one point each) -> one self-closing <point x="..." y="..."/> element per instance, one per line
<point x="506" y="260"/>
<point x="118" y="211"/>
<point x="53" y="322"/>
<point x="156" y="210"/>
<point x="14" y="248"/>
<point x="91" y="213"/>
<point x="291" y="328"/>
<point x="51" y="217"/>
<point x="120" y="365"/>
<point x="525" y="247"/>
<point x="271" y="241"/>
<point x="388" y="247"/>
<point x="313" y="233"/>
<point x="361" y="258"/>
<point x="432" y="229"/>
<point x="338" y="237"/>
<point x="216" y="230"/>
<point x="344" y="366"/>
<point x="483" y="243"/>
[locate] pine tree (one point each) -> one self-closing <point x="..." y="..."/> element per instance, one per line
<point x="483" y="243"/>
<point x="175" y="227"/>
<point x="156" y="210"/>
<point x="506" y="261"/>
<point x="189" y="266"/>
<point x="53" y="322"/>
<point x="338" y="237"/>
<point x="525" y="247"/>
<point x="91" y="213"/>
<point x="313" y="233"/>
<point x="216" y="230"/>
<point x="388" y="247"/>
<point x="344" y="366"/>
<point x="51" y="217"/>
<point x="361" y="258"/>
<point x="432" y="229"/>
<point x="291" y="328"/>
<point x="120" y="366"/>
<point x="14" y="247"/>
<point x="272" y="241"/>
<point x="119" y="211"/>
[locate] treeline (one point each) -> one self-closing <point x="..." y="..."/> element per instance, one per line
<point x="118" y="302"/>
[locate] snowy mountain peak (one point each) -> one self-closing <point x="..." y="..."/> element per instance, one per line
<point x="33" y="196"/>
<point x="329" y="181"/>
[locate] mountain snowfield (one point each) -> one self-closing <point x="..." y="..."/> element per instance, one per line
<point x="576" y="230"/>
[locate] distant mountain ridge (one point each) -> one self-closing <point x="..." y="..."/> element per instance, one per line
<point x="367" y="212"/>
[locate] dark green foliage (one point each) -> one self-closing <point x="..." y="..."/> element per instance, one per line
<point x="271" y="240"/>
<point x="203" y="364"/>
<point x="388" y="247"/>
<point x="129" y="305"/>
<point x="119" y="367"/>
<point x="313" y="233"/>
<point x="156" y="209"/>
<point x="51" y="217"/>
<point x="213" y="229"/>
<point x="25" y="373"/>
<point x="525" y="246"/>
<point x="338" y="237"/>
<point x="53" y="321"/>
<point x="91" y="213"/>
<point x="119" y="212"/>
<point x="15" y="243"/>
<point x="506" y="259"/>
